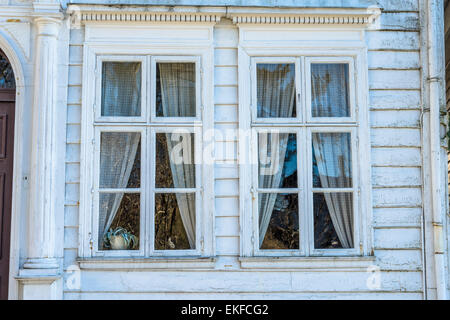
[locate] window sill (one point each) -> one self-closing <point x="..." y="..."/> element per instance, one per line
<point x="308" y="263"/>
<point x="146" y="263"/>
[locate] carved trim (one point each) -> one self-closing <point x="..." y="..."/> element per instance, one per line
<point x="355" y="17"/>
<point x="305" y="19"/>
<point x="149" y="17"/>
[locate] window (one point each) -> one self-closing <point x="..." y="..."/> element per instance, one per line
<point x="148" y="177"/>
<point x="304" y="133"/>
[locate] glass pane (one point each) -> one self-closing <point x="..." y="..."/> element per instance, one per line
<point x="120" y="160"/>
<point x="277" y="160"/>
<point x="175" y="90"/>
<point x="121" y="89"/>
<point x="333" y="220"/>
<point x="332" y="160"/>
<point x="119" y="221"/>
<point x="276" y="90"/>
<point x="7" y="80"/>
<point x="278" y="221"/>
<point x="329" y="86"/>
<point x="174" y="221"/>
<point x="175" y="167"/>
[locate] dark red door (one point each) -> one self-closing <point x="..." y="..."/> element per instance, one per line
<point x="7" y="107"/>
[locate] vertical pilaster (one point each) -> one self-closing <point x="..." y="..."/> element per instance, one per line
<point x="41" y="270"/>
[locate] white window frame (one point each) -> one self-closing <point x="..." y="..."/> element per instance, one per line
<point x="94" y="54"/>
<point x="299" y="105"/>
<point x="351" y="89"/>
<point x="98" y="98"/>
<point x="198" y="75"/>
<point x="357" y="124"/>
<point x="197" y="190"/>
<point x="99" y="129"/>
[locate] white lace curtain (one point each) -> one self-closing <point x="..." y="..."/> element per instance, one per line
<point x="333" y="150"/>
<point x="118" y="153"/>
<point x="178" y="100"/>
<point x="276" y="98"/>
<point x="333" y="155"/>
<point x="329" y="90"/>
<point x="121" y="91"/>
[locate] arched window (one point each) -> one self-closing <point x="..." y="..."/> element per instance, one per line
<point x="6" y="73"/>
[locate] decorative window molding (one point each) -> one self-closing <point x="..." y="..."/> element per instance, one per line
<point x="239" y="15"/>
<point x="148" y="124"/>
<point x="264" y="44"/>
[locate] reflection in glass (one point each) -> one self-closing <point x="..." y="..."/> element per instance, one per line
<point x="277" y="160"/>
<point x="7" y="80"/>
<point x="175" y="167"/>
<point x="329" y="86"/>
<point x="174" y="221"/>
<point x="278" y="221"/>
<point x="333" y="220"/>
<point x="120" y="160"/>
<point x="175" y="90"/>
<point x="332" y="161"/>
<point x="119" y="210"/>
<point x="121" y="89"/>
<point x="276" y="90"/>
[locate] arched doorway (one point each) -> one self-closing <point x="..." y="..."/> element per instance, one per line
<point x="7" y="110"/>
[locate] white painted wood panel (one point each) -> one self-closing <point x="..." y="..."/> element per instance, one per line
<point x="399" y="5"/>
<point x="410" y="260"/>
<point x="72" y="172"/>
<point x="72" y="153"/>
<point x="395" y="119"/>
<point x="399" y="21"/>
<point x="225" y="57"/>
<point x="394" y="79"/>
<point x="394" y="99"/>
<point x="226" y="113"/>
<point x="73" y="133"/>
<point x="71" y="216"/>
<point x="396" y="177"/>
<point x="76" y="55"/>
<point x="397" y="197"/>
<point x="398" y="238"/>
<point x="244" y="296"/>
<point x="388" y="137"/>
<point x="227" y="207"/>
<point x="73" y="114"/>
<point x="227" y="226"/>
<point x="227" y="188"/>
<point x="225" y="76"/>
<point x="396" y="157"/>
<point x="397" y="217"/>
<point x="394" y="60"/>
<point x="393" y="40"/>
<point x="268" y="281"/>
<point x="75" y="75"/>
<point x="71" y="238"/>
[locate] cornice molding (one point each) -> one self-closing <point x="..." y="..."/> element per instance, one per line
<point x="320" y="16"/>
<point x="304" y="19"/>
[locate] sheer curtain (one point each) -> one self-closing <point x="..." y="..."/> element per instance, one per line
<point x="333" y="150"/>
<point x="276" y="98"/>
<point x="178" y="100"/>
<point x="121" y="87"/>
<point x="333" y="155"/>
<point x="329" y="90"/>
<point x="117" y="156"/>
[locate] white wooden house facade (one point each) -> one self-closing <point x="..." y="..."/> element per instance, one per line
<point x="71" y="62"/>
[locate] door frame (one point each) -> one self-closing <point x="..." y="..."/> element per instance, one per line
<point x="20" y="176"/>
